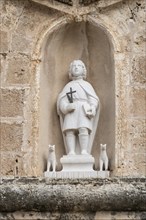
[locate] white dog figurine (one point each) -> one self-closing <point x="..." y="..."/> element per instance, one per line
<point x="51" y="158"/>
<point x="103" y="159"/>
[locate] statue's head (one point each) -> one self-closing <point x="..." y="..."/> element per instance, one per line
<point x="77" y="69"/>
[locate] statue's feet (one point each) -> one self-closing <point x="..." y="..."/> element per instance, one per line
<point x="71" y="153"/>
<point x="84" y="152"/>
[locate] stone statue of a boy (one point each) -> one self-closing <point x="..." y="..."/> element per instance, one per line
<point x="78" y="108"/>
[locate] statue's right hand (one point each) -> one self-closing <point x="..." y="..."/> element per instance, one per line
<point x="71" y="107"/>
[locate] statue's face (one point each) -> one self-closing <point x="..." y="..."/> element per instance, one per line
<point x="77" y="69"/>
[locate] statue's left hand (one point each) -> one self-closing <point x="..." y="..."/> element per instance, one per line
<point x="92" y="112"/>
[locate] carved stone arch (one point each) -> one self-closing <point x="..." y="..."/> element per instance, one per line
<point x="63" y="42"/>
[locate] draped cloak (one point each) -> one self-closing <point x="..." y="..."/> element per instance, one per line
<point x="84" y="95"/>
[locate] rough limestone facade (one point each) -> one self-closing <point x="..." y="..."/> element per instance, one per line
<point x="38" y="39"/>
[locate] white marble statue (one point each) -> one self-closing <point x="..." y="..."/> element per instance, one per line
<point x="103" y="158"/>
<point x="51" y="158"/>
<point x="78" y="108"/>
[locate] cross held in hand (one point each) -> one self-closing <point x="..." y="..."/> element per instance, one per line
<point x="70" y="96"/>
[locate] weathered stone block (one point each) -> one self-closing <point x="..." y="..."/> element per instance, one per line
<point x="4" y="42"/>
<point x="134" y="145"/>
<point x="136" y="133"/>
<point x="12" y="102"/>
<point x="11" y="164"/>
<point x="10" y="12"/>
<point x="120" y="215"/>
<point x="2" y="65"/>
<point x="28" y="25"/>
<point x="18" y="71"/>
<point x="11" y="137"/>
<point x="100" y="215"/>
<point x="21" y="44"/>
<point x="139" y="39"/>
<point x="136" y="102"/>
<point x="140" y="162"/>
<point x="138" y="73"/>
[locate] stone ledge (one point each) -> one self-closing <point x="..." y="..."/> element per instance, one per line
<point x="88" y="195"/>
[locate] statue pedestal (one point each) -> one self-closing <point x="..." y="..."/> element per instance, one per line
<point x="103" y="174"/>
<point x="77" y="163"/>
<point x="77" y="166"/>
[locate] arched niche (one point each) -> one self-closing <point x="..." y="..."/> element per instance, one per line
<point x="90" y="43"/>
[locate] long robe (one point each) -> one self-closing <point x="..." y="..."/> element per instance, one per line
<point x="84" y="97"/>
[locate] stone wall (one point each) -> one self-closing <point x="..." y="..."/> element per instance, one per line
<point x="20" y="30"/>
<point x="25" y="26"/>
